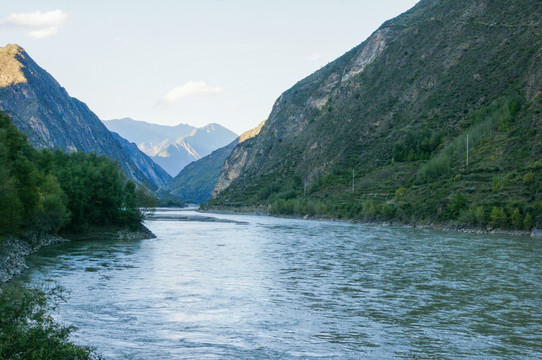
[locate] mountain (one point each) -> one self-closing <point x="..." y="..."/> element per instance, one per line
<point x="43" y="110"/>
<point x="172" y="147"/>
<point x="148" y="137"/>
<point x="381" y="133"/>
<point x="196" y="181"/>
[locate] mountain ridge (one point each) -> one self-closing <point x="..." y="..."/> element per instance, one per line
<point x="172" y="147"/>
<point x="51" y="118"/>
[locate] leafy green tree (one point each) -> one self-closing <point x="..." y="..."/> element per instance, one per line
<point x="11" y="208"/>
<point x="146" y="201"/>
<point x="52" y="213"/>
<point x="96" y="190"/>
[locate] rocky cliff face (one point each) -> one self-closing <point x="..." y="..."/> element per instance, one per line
<point x="296" y="110"/>
<point x="233" y="163"/>
<point x="42" y="109"/>
<point x="149" y="168"/>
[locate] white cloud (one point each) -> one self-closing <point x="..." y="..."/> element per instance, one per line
<point x="191" y="88"/>
<point x="314" y="56"/>
<point x="41" y="24"/>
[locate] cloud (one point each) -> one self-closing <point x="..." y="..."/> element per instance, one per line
<point x="314" y="56"/>
<point x="41" y="24"/>
<point x="191" y="88"/>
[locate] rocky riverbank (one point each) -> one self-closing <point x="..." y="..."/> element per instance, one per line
<point x="112" y="232"/>
<point x="14" y="250"/>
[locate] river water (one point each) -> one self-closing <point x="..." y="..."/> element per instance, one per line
<point x="216" y="286"/>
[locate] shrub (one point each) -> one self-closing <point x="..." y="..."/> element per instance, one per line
<point x="517" y="219"/>
<point x="498" y="216"/>
<point x="458" y="202"/>
<point x="497" y="184"/>
<point x="528" y="222"/>
<point x="27" y="331"/>
<point x="528" y="178"/>
<point x="479" y="215"/>
<point x="368" y="209"/>
<point x="400" y="192"/>
<point x="475" y="215"/>
<point x="386" y="210"/>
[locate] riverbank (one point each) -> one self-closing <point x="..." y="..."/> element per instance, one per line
<point x="264" y="210"/>
<point x="15" y="249"/>
<point x="112" y="232"/>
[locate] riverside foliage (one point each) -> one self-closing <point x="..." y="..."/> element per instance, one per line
<point x="27" y="330"/>
<point x="48" y="191"/>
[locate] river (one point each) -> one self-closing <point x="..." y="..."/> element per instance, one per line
<point x="214" y="286"/>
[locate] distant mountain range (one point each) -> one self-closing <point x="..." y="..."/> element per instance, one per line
<point x="51" y="118"/>
<point x="172" y="147"/>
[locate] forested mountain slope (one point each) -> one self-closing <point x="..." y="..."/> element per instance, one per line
<point x="381" y="132"/>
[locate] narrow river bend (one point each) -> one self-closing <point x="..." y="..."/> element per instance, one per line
<point x="216" y="286"/>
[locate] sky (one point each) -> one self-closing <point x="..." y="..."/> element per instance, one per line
<point x="193" y="62"/>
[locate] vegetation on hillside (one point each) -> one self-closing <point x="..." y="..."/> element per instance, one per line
<point x="449" y="70"/>
<point x="501" y="187"/>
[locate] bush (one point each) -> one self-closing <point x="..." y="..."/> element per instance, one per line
<point x="386" y="210"/>
<point x="458" y="202"/>
<point x="528" y="222"/>
<point x="368" y="209"/>
<point x="497" y="184"/>
<point x="27" y="331"/>
<point x="528" y="178"/>
<point x="517" y="219"/>
<point x="498" y="216"/>
<point x="475" y="215"/>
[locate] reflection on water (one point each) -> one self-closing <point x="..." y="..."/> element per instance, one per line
<point x="261" y="287"/>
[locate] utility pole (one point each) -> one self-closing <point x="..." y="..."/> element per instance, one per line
<point x="467" y="150"/>
<point x="353" y="180"/>
<point x="305" y="191"/>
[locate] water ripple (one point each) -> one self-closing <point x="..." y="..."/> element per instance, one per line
<point x="293" y="289"/>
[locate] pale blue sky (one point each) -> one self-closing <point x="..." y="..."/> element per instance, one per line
<point x="194" y="62"/>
